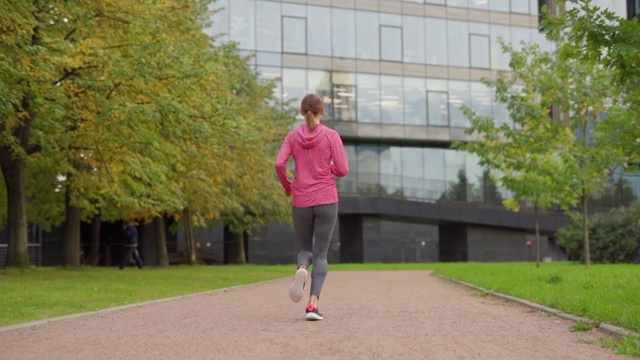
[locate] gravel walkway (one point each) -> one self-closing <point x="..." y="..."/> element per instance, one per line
<point x="368" y="315"/>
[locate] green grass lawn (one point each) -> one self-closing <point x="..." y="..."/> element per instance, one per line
<point x="42" y="293"/>
<point x="603" y="293"/>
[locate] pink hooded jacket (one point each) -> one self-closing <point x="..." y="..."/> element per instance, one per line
<point x="318" y="156"/>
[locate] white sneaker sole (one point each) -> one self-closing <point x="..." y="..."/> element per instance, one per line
<point x="313" y="317"/>
<point x="297" y="288"/>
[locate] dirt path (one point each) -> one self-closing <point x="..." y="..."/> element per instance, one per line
<point x="368" y="315"/>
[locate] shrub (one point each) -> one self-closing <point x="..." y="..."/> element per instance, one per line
<point x="612" y="235"/>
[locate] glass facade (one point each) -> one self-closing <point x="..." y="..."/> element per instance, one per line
<point x="367" y="94"/>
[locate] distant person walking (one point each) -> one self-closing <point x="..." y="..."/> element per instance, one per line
<point x="130" y="245"/>
<point x="638" y="241"/>
<point x="319" y="155"/>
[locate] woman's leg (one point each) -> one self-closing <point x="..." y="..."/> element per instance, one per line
<point x="303" y="225"/>
<point x="324" y="223"/>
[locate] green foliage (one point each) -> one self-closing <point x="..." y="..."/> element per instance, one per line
<point x="612" y="235"/>
<point x="129" y="109"/>
<point x="583" y="326"/>
<point x="629" y="345"/>
<point x="602" y="36"/>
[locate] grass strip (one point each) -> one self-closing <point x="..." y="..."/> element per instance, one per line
<point x="42" y="293"/>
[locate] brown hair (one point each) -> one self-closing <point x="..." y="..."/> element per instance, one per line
<point x="310" y="107"/>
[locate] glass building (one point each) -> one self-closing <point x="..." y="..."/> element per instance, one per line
<point x="394" y="75"/>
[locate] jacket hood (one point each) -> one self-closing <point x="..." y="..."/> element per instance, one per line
<point x="308" y="139"/>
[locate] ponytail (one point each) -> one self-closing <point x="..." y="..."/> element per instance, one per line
<point x="311" y="107"/>
<point x="308" y="117"/>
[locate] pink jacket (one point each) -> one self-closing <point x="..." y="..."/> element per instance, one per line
<point x="318" y="156"/>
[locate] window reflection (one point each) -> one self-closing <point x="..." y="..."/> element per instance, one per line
<point x="479" y="4"/>
<point x="368" y="98"/>
<point x="268" y="74"/>
<point x="437" y="40"/>
<point x="344" y="35"/>
<point x="414" y="41"/>
<point x="391" y="100"/>
<point x="520" y="6"/>
<point x="294" y="34"/>
<point x="268" y="34"/>
<point x="458" y="96"/>
<point x="319" y="34"/>
<point x="412" y="173"/>
<point x="434" y="173"/>
<point x="368" y="35"/>
<point x="455" y="176"/>
<point x="499" y="5"/>
<point x="415" y="101"/>
<point x="343" y="102"/>
<point x="458" y="49"/>
<point x="368" y="169"/>
<point x="480" y="53"/>
<point x="438" y="108"/>
<point x="390" y="43"/>
<point x="391" y="170"/>
<point x="294" y="86"/>
<point x="242" y="23"/>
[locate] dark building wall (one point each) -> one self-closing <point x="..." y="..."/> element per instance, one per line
<point x="389" y="241"/>
<point x="453" y="243"/>
<point x="486" y="244"/>
<point x="351" y="239"/>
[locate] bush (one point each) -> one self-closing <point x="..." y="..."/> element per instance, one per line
<point x="612" y="235"/>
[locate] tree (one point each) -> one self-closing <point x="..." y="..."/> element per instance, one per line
<point x="126" y="110"/>
<point x="553" y="153"/>
<point x="601" y="36"/>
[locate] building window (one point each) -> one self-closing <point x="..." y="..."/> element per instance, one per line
<point x="458" y="44"/>
<point x="390" y="43"/>
<point x="319" y="32"/>
<point x="479" y="51"/>
<point x="519" y="6"/>
<point x="343" y="103"/>
<point x="633" y="7"/>
<point x="367" y="35"/>
<point x="268" y="33"/>
<point x="344" y="32"/>
<point x="294" y="34"/>
<point x="438" y="108"/>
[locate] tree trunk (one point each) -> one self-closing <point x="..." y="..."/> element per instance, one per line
<point x="95" y="240"/>
<point x="162" y="256"/>
<point x="585" y="228"/>
<point x="241" y="258"/>
<point x="71" y="234"/>
<point x="14" y="171"/>
<point x="188" y="237"/>
<point x="535" y="212"/>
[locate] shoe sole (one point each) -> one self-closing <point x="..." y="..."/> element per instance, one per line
<point x="297" y="288"/>
<point x="313" y="317"/>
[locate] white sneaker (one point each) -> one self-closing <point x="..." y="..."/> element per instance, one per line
<point x="297" y="288"/>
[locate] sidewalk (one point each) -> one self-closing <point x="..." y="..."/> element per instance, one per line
<point x="368" y="315"/>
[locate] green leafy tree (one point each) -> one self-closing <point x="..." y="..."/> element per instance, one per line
<point x="601" y="36"/>
<point x="553" y="153"/>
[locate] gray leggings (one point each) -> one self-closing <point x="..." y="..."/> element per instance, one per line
<point x="319" y="221"/>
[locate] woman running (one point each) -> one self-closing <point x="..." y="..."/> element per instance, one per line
<point x="319" y="155"/>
